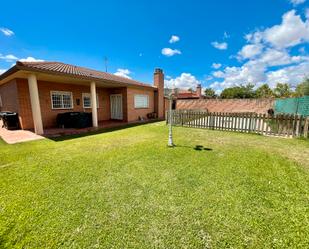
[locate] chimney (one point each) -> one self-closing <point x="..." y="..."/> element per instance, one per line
<point x="158" y="81"/>
<point x="199" y="90"/>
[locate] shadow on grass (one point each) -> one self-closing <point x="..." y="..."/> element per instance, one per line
<point x="99" y="131"/>
<point x="201" y="147"/>
<point x="197" y="147"/>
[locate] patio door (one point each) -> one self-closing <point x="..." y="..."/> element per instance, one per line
<point x="116" y="106"/>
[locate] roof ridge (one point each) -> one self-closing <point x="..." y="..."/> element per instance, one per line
<point x="36" y="62"/>
<point x="80" y="70"/>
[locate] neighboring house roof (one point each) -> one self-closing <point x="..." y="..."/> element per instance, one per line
<point x="184" y="94"/>
<point x="60" y="68"/>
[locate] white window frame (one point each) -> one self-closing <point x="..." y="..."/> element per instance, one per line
<point x="136" y="106"/>
<point x="61" y="93"/>
<point x="89" y="95"/>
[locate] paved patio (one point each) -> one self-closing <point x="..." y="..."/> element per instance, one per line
<point x="18" y="136"/>
<point x="57" y="132"/>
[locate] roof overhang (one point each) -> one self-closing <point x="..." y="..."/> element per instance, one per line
<point x="19" y="71"/>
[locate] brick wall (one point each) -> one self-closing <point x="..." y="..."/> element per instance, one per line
<point x="25" y="113"/>
<point x="8" y="95"/>
<point x="133" y="113"/>
<point x="227" y="105"/>
<point x="49" y="115"/>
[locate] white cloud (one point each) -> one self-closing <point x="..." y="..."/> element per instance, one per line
<point x="296" y="2"/>
<point x="291" y="74"/>
<point x="123" y="73"/>
<point x="273" y="57"/>
<point x="170" y="52"/>
<point x="251" y="72"/>
<point x="2" y="71"/>
<point x="6" y="31"/>
<point x="208" y="77"/>
<point x="8" y="58"/>
<point x="218" y="74"/>
<point x="174" y="38"/>
<point x="220" y="46"/>
<point x="267" y="49"/>
<point x="294" y="70"/>
<point x="292" y="31"/>
<point x="216" y="65"/>
<point x="250" y="51"/>
<point x="185" y="80"/>
<point x="226" y="35"/>
<point x="30" y="59"/>
<point x="13" y="58"/>
<point x="255" y="37"/>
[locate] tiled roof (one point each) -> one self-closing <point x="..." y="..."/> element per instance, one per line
<point x="184" y="94"/>
<point x="75" y="71"/>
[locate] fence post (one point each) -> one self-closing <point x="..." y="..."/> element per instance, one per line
<point x="250" y="121"/>
<point x="300" y="126"/>
<point x="306" y="127"/>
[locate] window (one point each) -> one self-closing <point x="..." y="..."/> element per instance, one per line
<point x="61" y="100"/>
<point x="87" y="100"/>
<point x="141" y="101"/>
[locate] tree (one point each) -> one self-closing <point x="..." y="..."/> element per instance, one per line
<point x="302" y="89"/>
<point x="239" y="92"/>
<point x="264" y="91"/>
<point x="210" y="93"/>
<point x="282" y="90"/>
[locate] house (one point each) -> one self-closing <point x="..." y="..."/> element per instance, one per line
<point x="186" y="94"/>
<point x="190" y="94"/>
<point x="39" y="91"/>
<point x="181" y="94"/>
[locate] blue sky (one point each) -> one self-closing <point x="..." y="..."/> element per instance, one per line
<point x="218" y="43"/>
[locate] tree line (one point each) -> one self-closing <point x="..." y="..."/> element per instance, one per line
<point x="282" y="90"/>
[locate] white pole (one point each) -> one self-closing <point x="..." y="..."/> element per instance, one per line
<point x="35" y="104"/>
<point x="170" y="131"/>
<point x="94" y="104"/>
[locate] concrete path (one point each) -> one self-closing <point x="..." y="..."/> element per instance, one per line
<point x="17" y="136"/>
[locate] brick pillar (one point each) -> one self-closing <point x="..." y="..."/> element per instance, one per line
<point x="158" y="81"/>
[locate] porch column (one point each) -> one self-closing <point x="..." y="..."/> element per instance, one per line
<point x="94" y="104"/>
<point x="35" y="104"/>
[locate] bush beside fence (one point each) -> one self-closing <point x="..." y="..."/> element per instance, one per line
<point x="277" y="125"/>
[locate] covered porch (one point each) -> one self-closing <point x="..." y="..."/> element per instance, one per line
<point x="105" y="102"/>
<point x="48" y="95"/>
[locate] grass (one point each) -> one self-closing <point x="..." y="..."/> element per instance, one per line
<point x="126" y="189"/>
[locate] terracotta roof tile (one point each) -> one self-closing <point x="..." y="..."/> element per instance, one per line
<point x="183" y="94"/>
<point x="71" y="70"/>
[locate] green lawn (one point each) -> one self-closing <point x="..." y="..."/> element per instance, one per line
<point x="126" y="189"/>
